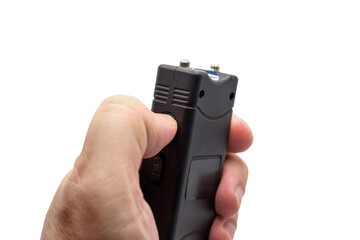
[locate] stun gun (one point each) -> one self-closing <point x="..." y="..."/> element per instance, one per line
<point x="180" y="182"/>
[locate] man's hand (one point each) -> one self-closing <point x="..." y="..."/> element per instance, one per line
<point x="100" y="198"/>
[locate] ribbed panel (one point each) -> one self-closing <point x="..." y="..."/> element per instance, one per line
<point x="181" y="97"/>
<point x="161" y="93"/>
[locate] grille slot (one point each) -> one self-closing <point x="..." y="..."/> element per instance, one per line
<point x="181" y="97"/>
<point x="161" y="93"/>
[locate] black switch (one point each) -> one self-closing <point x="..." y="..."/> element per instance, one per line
<point x="157" y="165"/>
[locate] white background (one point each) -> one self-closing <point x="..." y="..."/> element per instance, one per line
<point x="298" y="64"/>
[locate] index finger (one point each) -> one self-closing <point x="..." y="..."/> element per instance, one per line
<point x="240" y="136"/>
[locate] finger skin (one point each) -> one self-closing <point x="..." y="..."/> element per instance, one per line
<point x="233" y="182"/>
<point x="228" y="197"/>
<point x="123" y="127"/>
<point x="223" y="228"/>
<point x="155" y="126"/>
<point x="240" y="136"/>
<point x="232" y="186"/>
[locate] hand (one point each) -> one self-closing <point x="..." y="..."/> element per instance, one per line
<point x="100" y="198"/>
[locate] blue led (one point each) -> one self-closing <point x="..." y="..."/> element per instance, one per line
<point x="212" y="74"/>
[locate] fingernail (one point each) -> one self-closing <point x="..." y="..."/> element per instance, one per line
<point x="230" y="228"/>
<point x="239" y="194"/>
<point x="168" y="119"/>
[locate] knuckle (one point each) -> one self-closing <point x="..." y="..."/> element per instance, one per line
<point x="244" y="171"/>
<point x="129" y="107"/>
<point x="245" y="168"/>
<point x="124" y="100"/>
<point x="124" y="115"/>
<point x="241" y="167"/>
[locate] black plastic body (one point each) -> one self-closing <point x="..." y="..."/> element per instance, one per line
<point x="181" y="181"/>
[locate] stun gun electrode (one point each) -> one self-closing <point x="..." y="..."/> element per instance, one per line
<point x="180" y="182"/>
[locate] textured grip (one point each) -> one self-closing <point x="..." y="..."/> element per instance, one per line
<point x="180" y="182"/>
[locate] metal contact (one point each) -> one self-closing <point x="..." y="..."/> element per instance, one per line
<point x="215" y="67"/>
<point x="185" y="63"/>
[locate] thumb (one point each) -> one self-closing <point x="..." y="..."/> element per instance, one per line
<point x="123" y="128"/>
<point x="160" y="131"/>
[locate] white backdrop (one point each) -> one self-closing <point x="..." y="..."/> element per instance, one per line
<point x="298" y="64"/>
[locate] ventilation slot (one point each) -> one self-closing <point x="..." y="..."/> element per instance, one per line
<point x="180" y="97"/>
<point x="161" y="93"/>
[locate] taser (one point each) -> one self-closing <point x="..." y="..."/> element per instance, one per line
<point x="180" y="182"/>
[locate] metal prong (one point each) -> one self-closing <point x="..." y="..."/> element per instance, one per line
<point x="185" y="63"/>
<point x="215" y="67"/>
